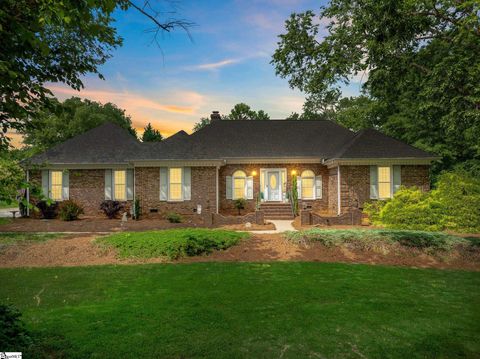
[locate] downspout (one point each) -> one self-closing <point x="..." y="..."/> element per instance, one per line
<point x="339" y="205"/>
<point x="216" y="189"/>
<point x="28" y="193"/>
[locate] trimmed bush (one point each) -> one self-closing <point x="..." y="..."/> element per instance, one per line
<point x="48" y="211"/>
<point x="13" y="335"/>
<point x="366" y="239"/>
<point x="453" y="205"/>
<point x="239" y="204"/>
<point x="111" y="208"/>
<point x="69" y="210"/>
<point x="173" y="243"/>
<point x="173" y="217"/>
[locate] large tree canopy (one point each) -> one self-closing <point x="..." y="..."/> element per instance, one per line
<point x="74" y="116"/>
<point x="420" y="59"/>
<point x="57" y="41"/>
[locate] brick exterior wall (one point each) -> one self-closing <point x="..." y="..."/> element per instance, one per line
<point x="226" y="205"/>
<point x="87" y="187"/>
<point x="147" y="189"/>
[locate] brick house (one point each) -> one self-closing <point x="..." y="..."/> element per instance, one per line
<point x="336" y="170"/>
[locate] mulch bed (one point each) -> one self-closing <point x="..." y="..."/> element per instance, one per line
<point x="80" y="250"/>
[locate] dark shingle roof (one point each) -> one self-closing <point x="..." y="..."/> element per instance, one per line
<point x="370" y="143"/>
<point x="107" y="143"/>
<point x="255" y="139"/>
<point x="225" y="139"/>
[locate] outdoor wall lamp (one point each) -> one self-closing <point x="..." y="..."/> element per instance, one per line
<point x="294" y="172"/>
<point x="254" y="173"/>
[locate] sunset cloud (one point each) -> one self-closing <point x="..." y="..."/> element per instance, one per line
<point x="213" y="65"/>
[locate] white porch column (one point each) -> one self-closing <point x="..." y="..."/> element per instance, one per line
<point x="28" y="193"/>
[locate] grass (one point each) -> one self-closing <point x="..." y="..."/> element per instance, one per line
<point x="9" y="238"/>
<point x="173" y="243"/>
<point x="8" y="205"/>
<point x="370" y="238"/>
<point x="247" y="310"/>
<point x="5" y="220"/>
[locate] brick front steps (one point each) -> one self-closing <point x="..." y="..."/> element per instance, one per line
<point x="277" y="210"/>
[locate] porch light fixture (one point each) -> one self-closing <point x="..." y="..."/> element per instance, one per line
<point x="254" y="173"/>
<point x="294" y="172"/>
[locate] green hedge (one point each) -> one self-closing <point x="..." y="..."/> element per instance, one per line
<point x="173" y="243"/>
<point x="453" y="205"/>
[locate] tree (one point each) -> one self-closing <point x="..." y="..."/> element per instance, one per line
<point x="58" y="41"/>
<point x="241" y="111"/>
<point x="204" y="121"/>
<point x="151" y="135"/>
<point x="423" y="65"/>
<point x="64" y="120"/>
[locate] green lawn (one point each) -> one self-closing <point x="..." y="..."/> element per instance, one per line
<point x="172" y="243"/>
<point x="247" y="310"/>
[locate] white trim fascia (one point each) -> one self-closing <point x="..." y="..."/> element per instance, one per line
<point x="178" y="163"/>
<point x="266" y="160"/>
<point x="77" y="166"/>
<point x="331" y="163"/>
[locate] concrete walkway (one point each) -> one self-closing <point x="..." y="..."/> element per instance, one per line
<point x="280" y="225"/>
<point x="5" y="212"/>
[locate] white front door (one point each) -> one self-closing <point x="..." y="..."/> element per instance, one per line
<point x="274" y="186"/>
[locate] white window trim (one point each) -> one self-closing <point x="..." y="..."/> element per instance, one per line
<point x="181" y="186"/>
<point x="113" y="186"/>
<point x="244" y="186"/>
<point x="283" y="184"/>
<point x="391" y="183"/>
<point x="314" y="188"/>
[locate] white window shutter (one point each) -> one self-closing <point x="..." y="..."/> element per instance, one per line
<point x="229" y="187"/>
<point x="318" y="187"/>
<point x="299" y="186"/>
<point x="373" y="182"/>
<point x="397" y="178"/>
<point x="46" y="183"/>
<point x="249" y="188"/>
<point x="108" y="185"/>
<point x="65" y="185"/>
<point x="187" y="183"/>
<point x="163" y="183"/>
<point x="129" y="184"/>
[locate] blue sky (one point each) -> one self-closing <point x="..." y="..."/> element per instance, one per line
<point x="228" y="62"/>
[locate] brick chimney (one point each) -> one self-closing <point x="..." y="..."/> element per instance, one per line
<point x="215" y="116"/>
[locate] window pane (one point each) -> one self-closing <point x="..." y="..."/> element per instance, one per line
<point x="175" y="178"/>
<point x="175" y="191"/>
<point x="238" y="188"/>
<point x="120" y="185"/>
<point x="308" y="173"/>
<point x="56" y="186"/>
<point x="307" y="187"/>
<point x="384" y="190"/>
<point x="239" y="174"/>
<point x="383" y="174"/>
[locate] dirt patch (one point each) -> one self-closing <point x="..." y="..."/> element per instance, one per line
<point x="79" y="250"/>
<point x="253" y="227"/>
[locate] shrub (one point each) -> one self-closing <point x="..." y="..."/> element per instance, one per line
<point x="366" y="239"/>
<point x="453" y="205"/>
<point x="239" y="204"/>
<point x="173" y="217"/>
<point x="13" y="334"/>
<point x="48" y="211"/>
<point x="111" y="208"/>
<point x="294" y="198"/>
<point x="459" y="194"/>
<point x="173" y="243"/>
<point x="137" y="210"/>
<point x="69" y="210"/>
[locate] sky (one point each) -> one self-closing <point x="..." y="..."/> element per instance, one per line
<point x="226" y="62"/>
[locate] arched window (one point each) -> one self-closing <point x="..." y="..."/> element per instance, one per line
<point x="239" y="184"/>
<point x="308" y="184"/>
